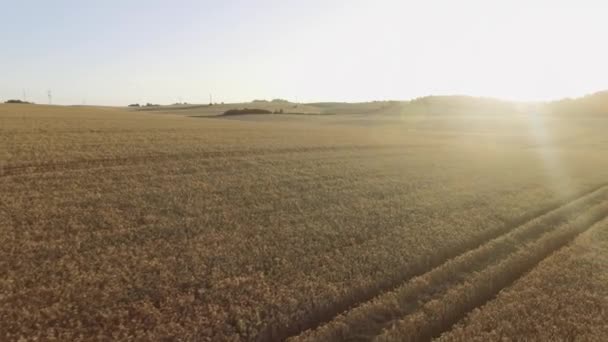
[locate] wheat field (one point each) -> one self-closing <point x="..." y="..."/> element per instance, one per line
<point x="121" y="224"/>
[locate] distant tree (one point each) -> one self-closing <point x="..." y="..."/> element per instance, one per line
<point x="246" y="111"/>
<point x="134" y="105"/>
<point x="18" y="101"/>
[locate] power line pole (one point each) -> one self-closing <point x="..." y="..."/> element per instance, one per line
<point x="50" y="97"/>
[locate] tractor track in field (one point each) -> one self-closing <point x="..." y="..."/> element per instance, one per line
<point x="429" y="302"/>
<point x="85" y="164"/>
<point x="433" y="318"/>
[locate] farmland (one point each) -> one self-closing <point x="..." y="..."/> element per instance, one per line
<point x="387" y="223"/>
<point x="564" y="298"/>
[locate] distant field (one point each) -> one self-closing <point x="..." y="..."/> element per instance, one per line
<point x="369" y="224"/>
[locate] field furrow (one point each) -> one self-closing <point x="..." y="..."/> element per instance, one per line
<point x="564" y="298"/>
<point x="428" y="304"/>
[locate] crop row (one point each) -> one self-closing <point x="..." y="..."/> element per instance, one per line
<point x="494" y="264"/>
<point x="564" y="298"/>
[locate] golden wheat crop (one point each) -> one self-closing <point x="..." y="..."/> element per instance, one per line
<point x="563" y="299"/>
<point x="123" y="225"/>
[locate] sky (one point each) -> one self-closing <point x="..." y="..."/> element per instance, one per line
<point x="120" y="52"/>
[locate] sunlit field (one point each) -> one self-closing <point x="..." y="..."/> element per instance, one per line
<point x="564" y="298"/>
<point x="337" y="222"/>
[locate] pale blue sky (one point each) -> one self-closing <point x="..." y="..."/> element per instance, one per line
<point x="119" y="52"/>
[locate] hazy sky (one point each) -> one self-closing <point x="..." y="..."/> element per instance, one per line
<point x="120" y="52"/>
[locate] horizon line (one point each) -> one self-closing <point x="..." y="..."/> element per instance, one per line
<point x="186" y="103"/>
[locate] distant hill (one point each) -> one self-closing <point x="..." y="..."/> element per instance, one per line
<point x="459" y="104"/>
<point x="594" y="104"/>
<point x="591" y="105"/>
<point x="275" y="106"/>
<point x="374" y="107"/>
